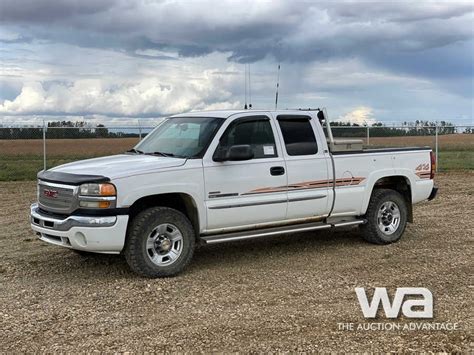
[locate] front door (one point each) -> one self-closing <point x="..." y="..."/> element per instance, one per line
<point x="244" y="193"/>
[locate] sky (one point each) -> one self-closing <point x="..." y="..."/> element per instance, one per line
<point x="122" y="61"/>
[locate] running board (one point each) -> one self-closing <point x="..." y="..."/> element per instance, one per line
<point x="234" y="236"/>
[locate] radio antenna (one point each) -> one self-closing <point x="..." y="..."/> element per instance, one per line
<point x="250" y="91"/>
<point x="245" y="82"/>
<point x="278" y="85"/>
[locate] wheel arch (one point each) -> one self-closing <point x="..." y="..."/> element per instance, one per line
<point x="399" y="183"/>
<point x="180" y="201"/>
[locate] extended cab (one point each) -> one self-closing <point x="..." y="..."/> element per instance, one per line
<point x="211" y="177"/>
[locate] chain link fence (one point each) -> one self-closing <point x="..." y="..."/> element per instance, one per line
<point x="25" y="150"/>
<point x="453" y="145"/>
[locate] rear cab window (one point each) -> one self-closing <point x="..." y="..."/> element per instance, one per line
<point x="298" y="135"/>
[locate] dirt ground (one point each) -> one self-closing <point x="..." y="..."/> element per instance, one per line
<point x="279" y="294"/>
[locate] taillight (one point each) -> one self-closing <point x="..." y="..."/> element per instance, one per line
<point x="433" y="165"/>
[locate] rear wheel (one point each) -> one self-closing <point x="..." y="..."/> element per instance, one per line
<point x="160" y="242"/>
<point x="386" y="217"/>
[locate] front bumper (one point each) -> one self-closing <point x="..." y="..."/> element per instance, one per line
<point x="100" y="234"/>
<point x="433" y="193"/>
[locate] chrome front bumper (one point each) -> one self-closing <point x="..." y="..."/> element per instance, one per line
<point x="99" y="234"/>
<point x="66" y="224"/>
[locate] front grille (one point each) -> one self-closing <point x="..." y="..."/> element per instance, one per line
<point x="56" y="198"/>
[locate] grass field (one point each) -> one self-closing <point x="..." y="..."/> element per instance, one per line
<point x="20" y="160"/>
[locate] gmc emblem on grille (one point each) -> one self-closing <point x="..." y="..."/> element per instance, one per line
<point x="50" y="193"/>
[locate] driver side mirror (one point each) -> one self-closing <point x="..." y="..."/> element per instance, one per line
<point x="234" y="153"/>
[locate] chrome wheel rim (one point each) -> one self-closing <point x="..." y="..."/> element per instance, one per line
<point x="388" y="217"/>
<point x="164" y="244"/>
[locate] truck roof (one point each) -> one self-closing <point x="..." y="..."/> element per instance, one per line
<point x="228" y="113"/>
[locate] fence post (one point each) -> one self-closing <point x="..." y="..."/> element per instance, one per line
<point x="368" y="135"/>
<point x="436" y="145"/>
<point x="44" y="146"/>
<point x="139" y="130"/>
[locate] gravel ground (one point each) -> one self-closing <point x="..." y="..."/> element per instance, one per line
<point x="283" y="294"/>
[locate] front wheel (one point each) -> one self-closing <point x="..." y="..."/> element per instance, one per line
<point x="386" y="217"/>
<point x="160" y="242"/>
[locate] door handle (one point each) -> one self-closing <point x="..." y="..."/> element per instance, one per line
<point x="277" y="170"/>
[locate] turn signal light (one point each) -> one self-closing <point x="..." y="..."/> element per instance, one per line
<point x="94" y="204"/>
<point x="104" y="204"/>
<point x="107" y="190"/>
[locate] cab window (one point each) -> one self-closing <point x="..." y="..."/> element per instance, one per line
<point x="298" y="135"/>
<point x="256" y="132"/>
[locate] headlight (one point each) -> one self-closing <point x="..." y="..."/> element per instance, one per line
<point x="97" y="196"/>
<point x="97" y="190"/>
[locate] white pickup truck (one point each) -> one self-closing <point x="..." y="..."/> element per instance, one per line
<point x="211" y="177"/>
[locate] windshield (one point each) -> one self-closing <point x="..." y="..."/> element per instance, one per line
<point x="183" y="137"/>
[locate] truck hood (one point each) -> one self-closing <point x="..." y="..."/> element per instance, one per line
<point x="117" y="166"/>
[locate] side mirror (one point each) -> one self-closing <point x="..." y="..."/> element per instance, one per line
<point x="240" y="152"/>
<point x="234" y="153"/>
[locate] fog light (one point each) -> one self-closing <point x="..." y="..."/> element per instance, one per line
<point x="80" y="239"/>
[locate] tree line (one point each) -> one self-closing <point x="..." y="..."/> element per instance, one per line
<point x="81" y="129"/>
<point x="66" y="130"/>
<point x="416" y="128"/>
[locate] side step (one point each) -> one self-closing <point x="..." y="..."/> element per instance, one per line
<point x="234" y="236"/>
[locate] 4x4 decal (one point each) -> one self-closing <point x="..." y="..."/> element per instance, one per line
<point x="423" y="171"/>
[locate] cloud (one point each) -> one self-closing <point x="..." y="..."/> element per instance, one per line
<point x="120" y="58"/>
<point x="148" y="97"/>
<point x="360" y="115"/>
<point x="401" y="11"/>
<point x="248" y="30"/>
<point x="44" y="11"/>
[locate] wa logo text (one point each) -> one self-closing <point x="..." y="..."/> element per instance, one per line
<point x="413" y="302"/>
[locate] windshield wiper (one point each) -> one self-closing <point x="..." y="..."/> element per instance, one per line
<point x="168" y="155"/>
<point x="133" y="150"/>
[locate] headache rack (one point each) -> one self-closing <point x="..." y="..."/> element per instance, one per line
<point x="336" y="145"/>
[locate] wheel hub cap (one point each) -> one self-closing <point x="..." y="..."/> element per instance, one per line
<point x="164" y="244"/>
<point x="388" y="217"/>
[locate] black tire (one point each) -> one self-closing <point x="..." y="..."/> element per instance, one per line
<point x="372" y="230"/>
<point x="140" y="229"/>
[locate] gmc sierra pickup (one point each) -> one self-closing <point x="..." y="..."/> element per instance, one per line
<point x="211" y="177"/>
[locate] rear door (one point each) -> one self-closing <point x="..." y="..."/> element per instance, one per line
<point x="245" y="193"/>
<point x="309" y="187"/>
